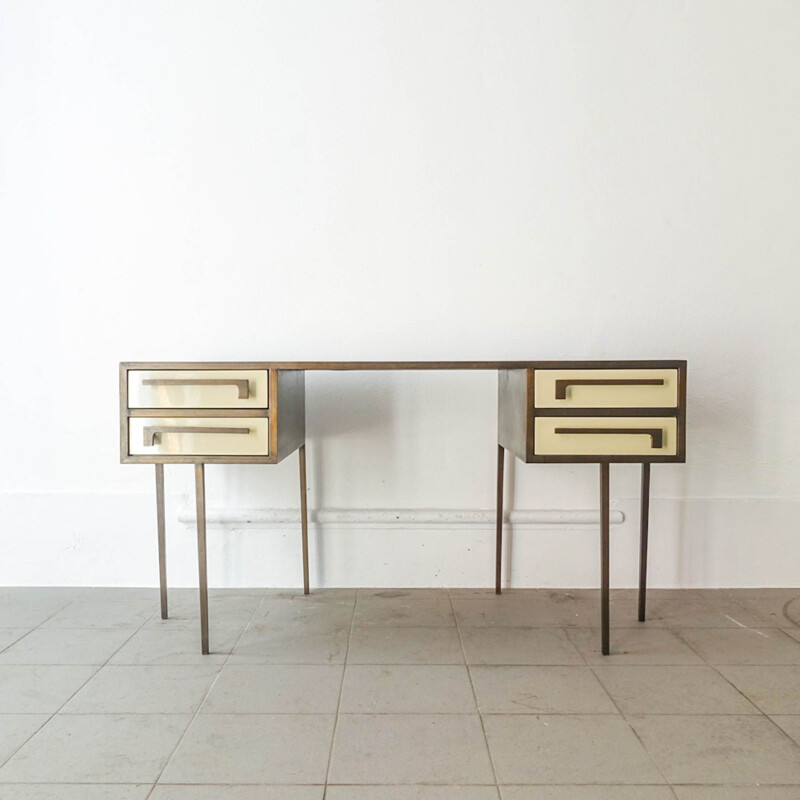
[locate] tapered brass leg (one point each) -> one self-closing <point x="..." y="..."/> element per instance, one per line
<point x="498" y="565"/>
<point x="162" y="539"/>
<point x="304" y="516"/>
<point x="200" y="496"/>
<point x="604" y="556"/>
<point x="644" y="528"/>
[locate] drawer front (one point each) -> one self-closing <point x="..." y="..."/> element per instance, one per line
<point x="606" y="388"/>
<point x="198" y="388"/>
<point x="606" y="436"/>
<point x="198" y="436"/>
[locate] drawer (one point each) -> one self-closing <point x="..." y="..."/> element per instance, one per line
<point x="606" y="388"/>
<point x="198" y="436"/>
<point x="606" y="436"/>
<point x="198" y="388"/>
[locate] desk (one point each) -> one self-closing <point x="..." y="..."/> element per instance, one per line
<point x="548" y="412"/>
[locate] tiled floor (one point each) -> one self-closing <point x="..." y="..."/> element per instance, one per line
<point x="399" y="695"/>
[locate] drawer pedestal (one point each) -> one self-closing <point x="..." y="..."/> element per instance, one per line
<point x="210" y="414"/>
<point x="593" y="412"/>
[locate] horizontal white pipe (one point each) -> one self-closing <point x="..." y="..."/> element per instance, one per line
<point x="398" y="517"/>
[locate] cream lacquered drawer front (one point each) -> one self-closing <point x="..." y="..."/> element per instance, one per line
<point x="606" y="436"/>
<point x="606" y="388"/>
<point x="198" y="436"/>
<point x="201" y="388"/>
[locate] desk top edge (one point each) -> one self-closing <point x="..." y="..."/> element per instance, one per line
<point x="313" y="366"/>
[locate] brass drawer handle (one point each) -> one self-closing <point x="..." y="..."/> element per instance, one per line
<point x="656" y="434"/>
<point x="242" y="385"/>
<point x="151" y="431"/>
<point x="562" y="384"/>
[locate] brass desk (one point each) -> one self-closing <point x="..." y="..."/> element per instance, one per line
<point x="548" y="412"/>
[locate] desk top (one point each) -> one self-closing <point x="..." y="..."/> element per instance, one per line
<point x="309" y="366"/>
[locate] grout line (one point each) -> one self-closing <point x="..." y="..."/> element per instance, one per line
<point x="474" y="694"/>
<point x="47" y="619"/>
<point x="754" y="704"/>
<point x="339" y="700"/>
<point x="11" y="644"/>
<point x="676" y="631"/>
<point x="591" y="667"/>
<point x="134" y="631"/>
<point x="205" y="696"/>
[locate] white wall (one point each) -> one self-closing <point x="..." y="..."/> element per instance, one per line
<point x="440" y="179"/>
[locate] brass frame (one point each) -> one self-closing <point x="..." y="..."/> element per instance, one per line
<point x="516" y="415"/>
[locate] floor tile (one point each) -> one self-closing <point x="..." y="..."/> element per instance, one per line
<point x="28" y="595"/>
<point x="634" y="646"/>
<point x="526" y="646"/>
<point x="80" y="791"/>
<point x="737" y="792"/>
<point x="338" y="595"/>
<point x="144" y="690"/>
<point x="66" y="646"/>
<point x="672" y="690"/>
<point x="790" y="723"/>
<point x="793" y="632"/>
<point x="543" y="608"/>
<point x="411" y="793"/>
<point x="224" y="611"/>
<point x="567" y="749"/>
<point x="253" y="748"/>
<point x="275" y="689"/>
<point x="403" y="608"/>
<point x="27" y="608"/>
<point x="775" y="606"/>
<point x="587" y="793"/>
<point x="260" y="645"/>
<point x="539" y="690"/>
<point x="91" y="614"/>
<point x="15" y="730"/>
<point x="407" y="689"/>
<point x="39" y="689"/>
<point x="108" y="748"/>
<point x="164" y="792"/>
<point x="130" y="594"/>
<point x="719" y="749"/>
<point x="311" y="614"/>
<point x="742" y="646"/>
<point x="775" y="690"/>
<point x="10" y="635"/>
<point x="527" y="609"/>
<point x="625" y="610"/>
<point x="377" y="645"/>
<point x="410" y="748"/>
<point x="176" y="646"/>
<point x="700" y="608"/>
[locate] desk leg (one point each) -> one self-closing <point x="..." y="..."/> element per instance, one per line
<point x="162" y="539"/>
<point x="498" y="567"/>
<point x="200" y="496"/>
<point x="604" y="556"/>
<point x="644" y="527"/>
<point x="304" y="515"/>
